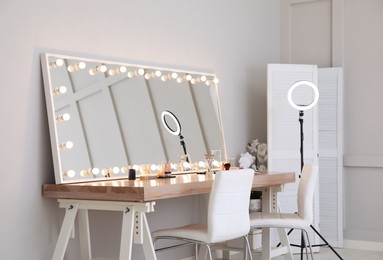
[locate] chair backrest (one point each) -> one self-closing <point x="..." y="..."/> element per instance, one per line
<point x="228" y="210"/>
<point x="306" y="191"/>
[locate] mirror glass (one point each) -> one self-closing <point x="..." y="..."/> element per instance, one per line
<point x="107" y="117"/>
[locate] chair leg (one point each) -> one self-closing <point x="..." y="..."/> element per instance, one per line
<point x="247" y="249"/>
<point x="196" y="251"/>
<point x="209" y="251"/>
<point x="308" y="242"/>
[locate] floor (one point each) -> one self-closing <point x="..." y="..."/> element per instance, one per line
<point x="327" y="254"/>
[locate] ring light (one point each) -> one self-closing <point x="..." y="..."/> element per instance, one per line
<point x="303" y="107"/>
<point x="170" y="114"/>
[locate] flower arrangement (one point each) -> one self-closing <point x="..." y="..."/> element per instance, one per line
<point x="259" y="152"/>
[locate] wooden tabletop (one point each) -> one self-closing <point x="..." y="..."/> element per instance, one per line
<point x="152" y="189"/>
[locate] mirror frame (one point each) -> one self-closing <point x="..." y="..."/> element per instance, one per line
<point x="55" y="146"/>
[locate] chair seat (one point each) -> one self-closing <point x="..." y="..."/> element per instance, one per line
<point x="276" y="220"/>
<point x="196" y="232"/>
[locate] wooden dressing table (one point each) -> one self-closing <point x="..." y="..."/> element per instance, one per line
<point x="134" y="198"/>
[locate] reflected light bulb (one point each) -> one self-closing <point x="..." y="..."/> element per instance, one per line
<point x="174" y="75"/>
<point x="188" y="77"/>
<point x="130" y="74"/>
<point x="84" y="173"/>
<point x="141" y="72"/>
<point x="153" y="167"/>
<point x="124" y="169"/>
<point x="203" y="78"/>
<point x="95" y="171"/>
<point x="116" y="170"/>
<point x="201" y="164"/>
<point x="157" y="73"/>
<point x="179" y="80"/>
<point x="122" y="69"/>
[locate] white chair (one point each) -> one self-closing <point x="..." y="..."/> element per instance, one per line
<point x="227" y="216"/>
<point x="300" y="220"/>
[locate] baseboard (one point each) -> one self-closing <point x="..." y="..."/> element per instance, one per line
<point x="363" y="245"/>
<point x="188" y="258"/>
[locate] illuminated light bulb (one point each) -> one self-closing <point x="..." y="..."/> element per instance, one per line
<point x="64" y="117"/>
<point x="97" y="69"/>
<point x="208" y="82"/>
<point x="105" y="172"/>
<point x="179" y="80"/>
<point x="188" y="77"/>
<point x="136" y="167"/>
<point x="59" y="90"/>
<point x="124" y="169"/>
<point x="56" y="63"/>
<point x="157" y="73"/>
<point x="216" y="80"/>
<point x="147" y="76"/>
<point x="174" y="75"/>
<point x="141" y="72"/>
<point x="95" y="171"/>
<point x="69" y="173"/>
<point x="121" y="69"/>
<point x="153" y="167"/>
<point x="116" y="170"/>
<point x="84" y="173"/>
<point x="164" y="78"/>
<point x="66" y="145"/>
<point x="130" y="74"/>
<point x="203" y="78"/>
<point x="215" y="163"/>
<point x="193" y="81"/>
<point x="201" y="164"/>
<point x="78" y="66"/>
<point x="186" y="166"/>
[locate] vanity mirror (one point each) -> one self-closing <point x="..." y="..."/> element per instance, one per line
<point x="107" y="117"/>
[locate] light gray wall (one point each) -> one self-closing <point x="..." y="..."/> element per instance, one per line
<point x="363" y="124"/>
<point x="235" y="39"/>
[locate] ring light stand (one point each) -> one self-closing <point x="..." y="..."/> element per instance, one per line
<point x="174" y="132"/>
<point x="301" y="109"/>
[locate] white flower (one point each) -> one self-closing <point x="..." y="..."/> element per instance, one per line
<point x="246" y="160"/>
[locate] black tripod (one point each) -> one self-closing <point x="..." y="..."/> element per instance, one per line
<point x="303" y="243"/>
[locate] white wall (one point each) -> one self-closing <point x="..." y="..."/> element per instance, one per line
<point x="363" y="125"/>
<point x="235" y="39"/>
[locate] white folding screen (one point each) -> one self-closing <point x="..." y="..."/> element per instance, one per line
<point x="330" y="84"/>
<point x="283" y="128"/>
<point x="322" y="144"/>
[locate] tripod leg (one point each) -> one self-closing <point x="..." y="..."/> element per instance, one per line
<point x="316" y="231"/>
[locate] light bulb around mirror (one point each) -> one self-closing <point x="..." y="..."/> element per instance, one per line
<point x="141" y="72"/>
<point x="115" y="170"/>
<point x="66" y="145"/>
<point x="158" y="73"/>
<point x="203" y="78"/>
<point x="174" y="75"/>
<point x="188" y="77"/>
<point x="124" y="169"/>
<point x="95" y="171"/>
<point x="56" y="63"/>
<point x="63" y="117"/>
<point x="97" y="69"/>
<point x="69" y="173"/>
<point x="78" y="66"/>
<point x="59" y="90"/>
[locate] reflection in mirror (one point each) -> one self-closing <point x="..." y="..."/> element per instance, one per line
<point x="106" y="118"/>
